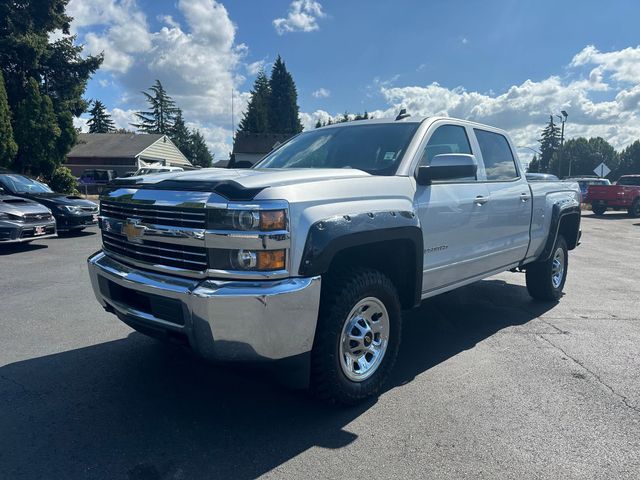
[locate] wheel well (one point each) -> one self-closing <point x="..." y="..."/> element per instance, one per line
<point x="394" y="258"/>
<point x="569" y="228"/>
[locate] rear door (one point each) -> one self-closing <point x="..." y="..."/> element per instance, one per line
<point x="453" y="214"/>
<point x="510" y="205"/>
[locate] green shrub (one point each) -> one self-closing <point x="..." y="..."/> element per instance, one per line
<point x="63" y="181"/>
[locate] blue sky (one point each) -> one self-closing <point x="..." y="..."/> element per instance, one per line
<point x="508" y="63"/>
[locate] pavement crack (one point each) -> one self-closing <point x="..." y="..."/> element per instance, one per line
<point x="624" y="399"/>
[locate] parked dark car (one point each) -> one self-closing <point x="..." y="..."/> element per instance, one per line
<point x="23" y="220"/>
<point x="97" y="176"/>
<point x="70" y="211"/>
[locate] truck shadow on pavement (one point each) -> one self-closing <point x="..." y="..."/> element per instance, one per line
<point x="133" y="408"/>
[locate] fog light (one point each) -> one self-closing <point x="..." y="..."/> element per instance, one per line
<point x="243" y="260"/>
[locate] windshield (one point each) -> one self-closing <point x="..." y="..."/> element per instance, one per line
<point x="374" y="148"/>
<point x="629" y="181"/>
<point x="20" y="184"/>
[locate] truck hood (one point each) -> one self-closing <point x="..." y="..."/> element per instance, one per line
<point x="237" y="184"/>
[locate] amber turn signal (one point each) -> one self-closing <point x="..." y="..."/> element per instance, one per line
<point x="273" y="220"/>
<point x="271" y="260"/>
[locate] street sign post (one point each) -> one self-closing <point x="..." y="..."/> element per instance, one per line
<point x="602" y="170"/>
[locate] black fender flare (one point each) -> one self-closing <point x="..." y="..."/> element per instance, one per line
<point x="558" y="214"/>
<point x="328" y="237"/>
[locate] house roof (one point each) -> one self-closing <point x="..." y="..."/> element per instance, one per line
<point x="120" y="145"/>
<point x="258" y="142"/>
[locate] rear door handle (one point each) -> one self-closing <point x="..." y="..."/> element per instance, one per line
<point x="480" y="200"/>
<point x="525" y="197"/>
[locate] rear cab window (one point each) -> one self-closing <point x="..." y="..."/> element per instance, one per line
<point x="498" y="159"/>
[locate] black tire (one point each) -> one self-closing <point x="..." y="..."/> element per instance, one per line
<point x="539" y="274"/>
<point x="634" y="209"/>
<point x="598" y="209"/>
<point x="341" y="292"/>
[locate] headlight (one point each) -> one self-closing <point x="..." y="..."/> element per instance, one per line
<point x="9" y="216"/>
<point x="248" y="260"/>
<point x="71" y="209"/>
<point x="248" y="220"/>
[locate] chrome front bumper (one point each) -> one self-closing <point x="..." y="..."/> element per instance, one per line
<point x="221" y="320"/>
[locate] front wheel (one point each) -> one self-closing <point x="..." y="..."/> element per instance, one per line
<point x="599" y="209"/>
<point x="634" y="209"/>
<point x="357" y="337"/>
<point x="545" y="280"/>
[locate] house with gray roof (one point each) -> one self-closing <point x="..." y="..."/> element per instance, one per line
<point x="123" y="152"/>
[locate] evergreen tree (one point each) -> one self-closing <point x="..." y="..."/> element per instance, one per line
<point x="549" y="144"/>
<point x="256" y="117"/>
<point x="534" y="165"/>
<point x="60" y="73"/>
<point x="8" y="146"/>
<point x="36" y="132"/>
<point x="319" y="124"/>
<point x="200" y="154"/>
<point x="100" y="121"/>
<point x="181" y="136"/>
<point x="161" y="114"/>
<point x="283" y="101"/>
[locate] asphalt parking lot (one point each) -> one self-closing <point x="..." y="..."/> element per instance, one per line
<point x="489" y="384"/>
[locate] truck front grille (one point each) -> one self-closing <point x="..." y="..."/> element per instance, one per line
<point x="155" y="214"/>
<point x="185" y="257"/>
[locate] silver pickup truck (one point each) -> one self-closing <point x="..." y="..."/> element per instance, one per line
<point x="308" y="259"/>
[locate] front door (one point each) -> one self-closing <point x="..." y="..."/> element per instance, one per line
<point x="453" y="216"/>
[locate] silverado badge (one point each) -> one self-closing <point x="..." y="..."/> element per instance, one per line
<point x="133" y="230"/>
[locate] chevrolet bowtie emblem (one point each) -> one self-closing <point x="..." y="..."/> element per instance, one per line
<point x="133" y="230"/>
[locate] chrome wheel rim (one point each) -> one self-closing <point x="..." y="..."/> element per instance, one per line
<point x="557" y="268"/>
<point x="364" y="340"/>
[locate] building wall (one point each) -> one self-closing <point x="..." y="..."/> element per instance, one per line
<point x="165" y="152"/>
<point x="77" y="165"/>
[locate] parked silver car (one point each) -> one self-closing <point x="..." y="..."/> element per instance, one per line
<point x="23" y="220"/>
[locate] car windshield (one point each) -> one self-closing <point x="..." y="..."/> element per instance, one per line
<point x="21" y="184"/>
<point x="374" y="148"/>
<point x="629" y="181"/>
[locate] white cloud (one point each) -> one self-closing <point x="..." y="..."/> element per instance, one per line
<point x="303" y="16"/>
<point x="623" y="64"/>
<point x="321" y="93"/>
<point x="464" y="40"/>
<point x="197" y="61"/>
<point x="254" y="67"/>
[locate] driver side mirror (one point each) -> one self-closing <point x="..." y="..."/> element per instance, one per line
<point x="448" y="166"/>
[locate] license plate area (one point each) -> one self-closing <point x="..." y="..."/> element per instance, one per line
<point x="39" y="230"/>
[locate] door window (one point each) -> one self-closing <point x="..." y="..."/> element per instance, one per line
<point x="499" y="163"/>
<point x="446" y="139"/>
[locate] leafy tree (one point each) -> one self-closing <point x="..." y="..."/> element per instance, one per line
<point x="549" y="144"/>
<point x="161" y="114"/>
<point x="100" y="121"/>
<point x="584" y="155"/>
<point x="181" y="136"/>
<point x="629" y="161"/>
<point x="344" y="118"/>
<point x="124" y="131"/>
<point x="283" y="101"/>
<point x="49" y="76"/>
<point x="63" y="181"/>
<point x="8" y="146"/>
<point x="37" y="131"/>
<point x="201" y="156"/>
<point x="256" y="117"/>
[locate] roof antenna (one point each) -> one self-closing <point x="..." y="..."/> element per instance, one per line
<point x="403" y="114"/>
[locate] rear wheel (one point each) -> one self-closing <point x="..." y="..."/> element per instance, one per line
<point x="634" y="209"/>
<point x="598" y="209"/>
<point x="545" y="280"/>
<point x="357" y="337"/>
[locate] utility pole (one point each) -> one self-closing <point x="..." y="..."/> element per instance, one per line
<point x="233" y="129"/>
<point x="563" y="119"/>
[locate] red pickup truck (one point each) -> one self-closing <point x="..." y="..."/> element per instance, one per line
<point x="625" y="193"/>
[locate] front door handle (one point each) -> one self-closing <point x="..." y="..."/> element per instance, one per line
<point x="480" y="200"/>
<point x="525" y="197"/>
